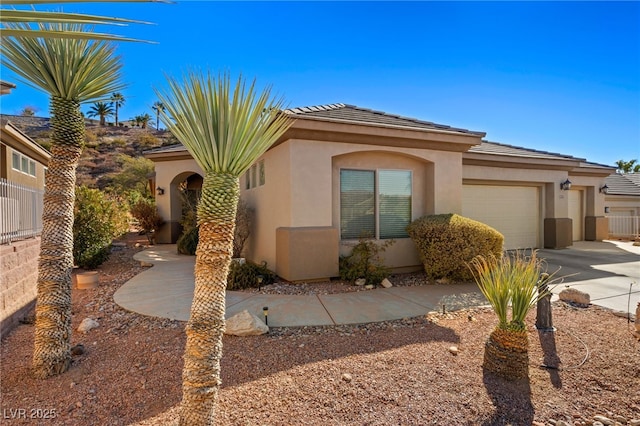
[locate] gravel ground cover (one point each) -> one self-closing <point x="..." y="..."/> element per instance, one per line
<point x="404" y="372"/>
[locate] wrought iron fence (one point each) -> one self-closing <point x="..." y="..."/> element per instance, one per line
<point x="624" y="226"/>
<point x="20" y="211"/>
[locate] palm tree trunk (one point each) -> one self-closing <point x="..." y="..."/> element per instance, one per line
<point x="201" y="373"/>
<point x="52" y="344"/>
<point x="506" y="354"/>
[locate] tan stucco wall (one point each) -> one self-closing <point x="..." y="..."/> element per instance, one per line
<point x="623" y="205"/>
<point x="302" y="190"/>
<point x="7" y="171"/>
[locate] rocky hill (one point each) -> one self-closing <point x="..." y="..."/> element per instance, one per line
<point x="105" y="145"/>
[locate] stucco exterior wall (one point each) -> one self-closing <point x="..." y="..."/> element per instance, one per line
<point x="622" y="205"/>
<point x="302" y="190"/>
<point x="18" y="281"/>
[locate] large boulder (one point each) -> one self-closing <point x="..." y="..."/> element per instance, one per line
<point x="245" y="324"/>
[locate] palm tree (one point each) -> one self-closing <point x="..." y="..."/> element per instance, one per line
<point x="71" y="71"/>
<point x="13" y="15"/>
<point x="143" y="119"/>
<point x="225" y="131"/>
<point x="158" y="107"/>
<point x="102" y="110"/>
<point x="628" y="166"/>
<point x="117" y="100"/>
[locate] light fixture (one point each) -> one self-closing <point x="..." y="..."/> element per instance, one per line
<point x="265" y="311"/>
<point x="566" y="185"/>
<point x="160" y="191"/>
<point x="606" y="210"/>
<point x="604" y="189"/>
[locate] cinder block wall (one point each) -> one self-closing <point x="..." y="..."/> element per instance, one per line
<point x="18" y="281"/>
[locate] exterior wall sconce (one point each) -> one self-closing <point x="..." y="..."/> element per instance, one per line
<point x="606" y="209"/>
<point x="566" y="185"/>
<point x="604" y="189"/>
<point x="160" y="191"/>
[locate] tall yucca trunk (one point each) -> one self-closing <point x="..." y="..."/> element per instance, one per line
<point x="201" y="373"/>
<point x="52" y="354"/>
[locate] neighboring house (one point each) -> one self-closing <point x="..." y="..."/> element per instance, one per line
<point x="22" y="167"/>
<point x="622" y="205"/>
<point x="343" y="171"/>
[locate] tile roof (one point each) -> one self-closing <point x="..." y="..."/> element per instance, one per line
<point x="354" y="114"/>
<point x="623" y="184"/>
<point x="488" y="147"/>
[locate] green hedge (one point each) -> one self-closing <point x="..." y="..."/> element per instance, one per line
<point x="447" y="242"/>
<point x="245" y="275"/>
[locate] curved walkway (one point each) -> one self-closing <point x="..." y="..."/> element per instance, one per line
<point x="166" y="290"/>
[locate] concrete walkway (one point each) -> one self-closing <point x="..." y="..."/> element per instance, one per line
<point x="166" y="290"/>
<point x="605" y="270"/>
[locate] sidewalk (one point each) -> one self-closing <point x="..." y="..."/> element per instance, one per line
<point x="166" y="290"/>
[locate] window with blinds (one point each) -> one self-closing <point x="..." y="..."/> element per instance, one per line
<point x="374" y="203"/>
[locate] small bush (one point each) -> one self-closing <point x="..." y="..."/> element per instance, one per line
<point x="365" y="261"/>
<point x="119" y="142"/>
<point x="245" y="275"/>
<point x="90" y="136"/>
<point x="149" y="221"/>
<point x="447" y="242"/>
<point x="97" y="221"/>
<point x="188" y="242"/>
<point x="147" y="140"/>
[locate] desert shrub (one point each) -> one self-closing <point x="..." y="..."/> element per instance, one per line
<point x="245" y="275"/>
<point x="146" y="214"/>
<point x="46" y="144"/>
<point x="97" y="221"/>
<point x="90" y="136"/>
<point x="147" y="140"/>
<point x="447" y="242"/>
<point x="121" y="142"/>
<point x="188" y="242"/>
<point x="365" y="261"/>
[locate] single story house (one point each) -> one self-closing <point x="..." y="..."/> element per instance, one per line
<point x="341" y="172"/>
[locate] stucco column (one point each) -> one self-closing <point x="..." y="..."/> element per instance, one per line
<point x="558" y="229"/>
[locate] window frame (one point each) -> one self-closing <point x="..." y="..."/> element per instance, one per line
<point x="26" y="164"/>
<point x="377" y="196"/>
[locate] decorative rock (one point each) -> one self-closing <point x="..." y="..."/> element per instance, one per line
<point x="77" y="349"/>
<point x="386" y="283"/>
<point x="453" y="350"/>
<point x="369" y="286"/>
<point x="145" y="264"/>
<point x="443" y="281"/>
<point x="347" y="377"/>
<point x="245" y="324"/>
<point x="361" y="281"/>
<point x="577" y="297"/>
<point x="604" y="420"/>
<point x="87" y="324"/>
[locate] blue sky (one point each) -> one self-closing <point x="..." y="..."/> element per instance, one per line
<point x="555" y="76"/>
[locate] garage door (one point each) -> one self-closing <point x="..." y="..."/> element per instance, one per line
<point x="512" y="210"/>
<point x="576" y="214"/>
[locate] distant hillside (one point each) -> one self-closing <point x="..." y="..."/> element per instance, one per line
<point x="105" y="144"/>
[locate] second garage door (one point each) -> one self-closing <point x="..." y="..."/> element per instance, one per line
<point x="512" y="210"/>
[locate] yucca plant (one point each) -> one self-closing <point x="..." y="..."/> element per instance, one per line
<point x="509" y="281"/>
<point x="225" y="129"/>
<point x="71" y="71"/>
<point x="9" y="17"/>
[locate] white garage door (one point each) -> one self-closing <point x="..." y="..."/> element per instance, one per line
<point x="512" y="210"/>
<point x="576" y="213"/>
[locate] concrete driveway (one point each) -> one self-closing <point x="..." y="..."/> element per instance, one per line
<point x="606" y="270"/>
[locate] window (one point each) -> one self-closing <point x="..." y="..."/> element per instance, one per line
<point x="23" y="163"/>
<point x="255" y="176"/>
<point x="374" y="203"/>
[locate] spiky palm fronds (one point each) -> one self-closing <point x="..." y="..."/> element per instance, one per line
<point x="225" y="130"/>
<point x="14" y="16"/>
<point x="82" y="70"/>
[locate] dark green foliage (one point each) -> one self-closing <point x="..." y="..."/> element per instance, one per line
<point x="447" y="242"/>
<point x="365" y="261"/>
<point x="97" y="221"/>
<point x="245" y="275"/>
<point x="188" y="242"/>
